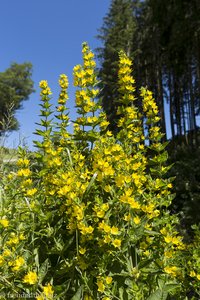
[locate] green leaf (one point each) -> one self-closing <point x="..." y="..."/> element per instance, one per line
<point x="61" y="290"/>
<point x="39" y="132"/>
<point x="91" y="183"/>
<point x="144" y="263"/>
<point x="171" y="286"/>
<point x="158" y="295"/>
<point x="121" y="293"/>
<point x="151" y="232"/>
<point x="36" y="256"/>
<point x="43" y="270"/>
<point x="161" y="282"/>
<point x="78" y="294"/>
<point x="69" y="155"/>
<point x="114" y="288"/>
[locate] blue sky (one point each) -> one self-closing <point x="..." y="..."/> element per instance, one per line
<point x="49" y="34"/>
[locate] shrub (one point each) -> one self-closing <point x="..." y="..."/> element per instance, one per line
<point x="86" y="216"/>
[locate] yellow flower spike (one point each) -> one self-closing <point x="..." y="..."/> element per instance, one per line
<point x="43" y="84"/>
<point x="63" y="81"/>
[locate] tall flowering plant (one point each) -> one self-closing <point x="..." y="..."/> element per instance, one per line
<point x="86" y="216"/>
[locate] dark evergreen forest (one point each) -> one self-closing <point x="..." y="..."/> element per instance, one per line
<point x="163" y="40"/>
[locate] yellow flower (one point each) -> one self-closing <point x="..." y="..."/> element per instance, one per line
<point x="82" y="250"/>
<point x="40" y="297"/>
<point x="105" y="206"/>
<point x="168" y="239"/>
<point x="127" y="217"/>
<point x="22" y="237"/>
<point x="7" y="252"/>
<point x="114" y="230"/>
<point x="64" y="190"/>
<point x="18" y="263"/>
<point x="134" y="204"/>
<point x="192" y="273"/>
<point x="31" y="192"/>
<point x="100" y="213"/>
<point x="43" y="84"/>
<point x="108" y="133"/>
<point x="14" y="240"/>
<point x="1" y="260"/>
<point x="48" y="291"/>
<point x="168" y="254"/>
<point x="198" y="276"/>
<point x="4" y="222"/>
<point x="171" y="270"/>
<point x="117" y="243"/>
<point x="107" y="239"/>
<point x="24" y="173"/>
<point x="108" y="279"/>
<point x="23" y="162"/>
<point x="136" y="220"/>
<point x="85" y="230"/>
<point x="30" y="278"/>
<point x="164" y="231"/>
<point x="146" y="253"/>
<point x="119" y="180"/>
<point x="101" y="286"/>
<point x="87" y="297"/>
